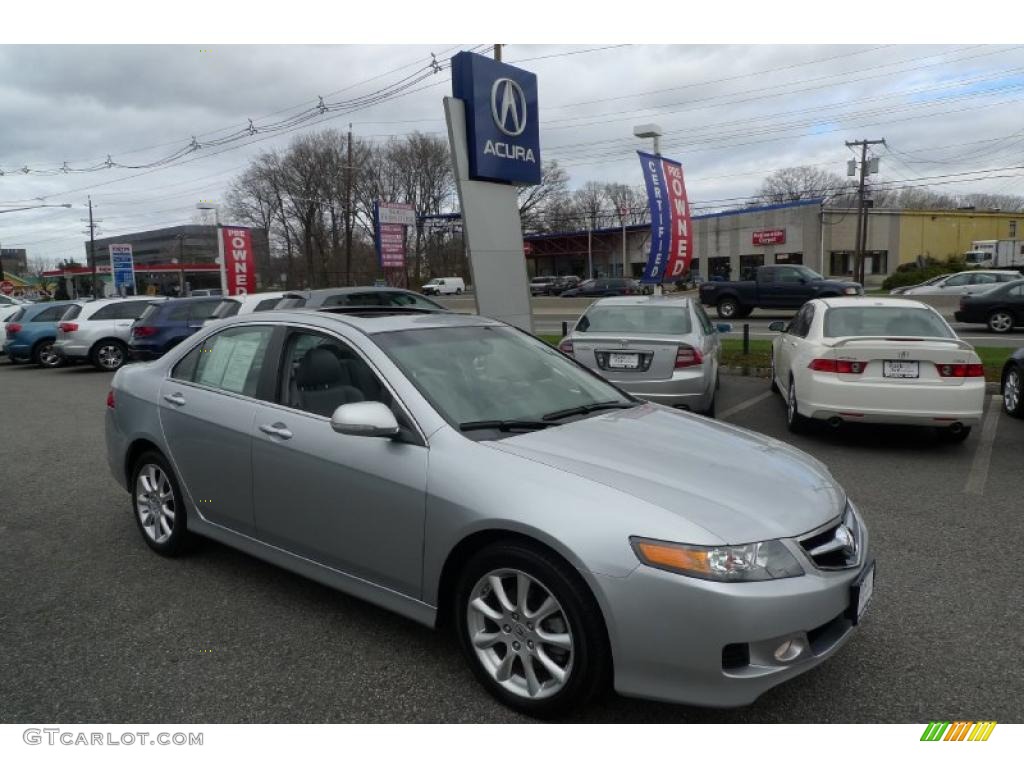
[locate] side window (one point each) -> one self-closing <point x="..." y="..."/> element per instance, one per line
<point x="130" y="310"/>
<point x="703" y="319"/>
<point x="1007" y="277"/>
<point x="321" y="373"/>
<point x="984" y="278"/>
<point x="230" y="360"/>
<point x="766" y="275"/>
<point x="50" y="315"/>
<point x="788" y="275"/>
<point x="109" y="312"/>
<point x="959" y="280"/>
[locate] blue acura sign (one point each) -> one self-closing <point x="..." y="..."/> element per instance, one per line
<point x="501" y="118"/>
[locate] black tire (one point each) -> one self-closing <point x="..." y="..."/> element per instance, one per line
<point x="177" y="541"/>
<point x="109" y="355"/>
<point x="45" y="356"/>
<point x="1013" y="401"/>
<point x="1000" y="321"/>
<point x="794" y="421"/>
<point x="949" y="436"/>
<point x="710" y="410"/>
<point x="590" y="668"/>
<point x="772" y="384"/>
<point x="728" y="308"/>
<point x="458" y="291"/>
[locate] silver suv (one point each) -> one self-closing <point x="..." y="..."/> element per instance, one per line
<point x="99" y="331"/>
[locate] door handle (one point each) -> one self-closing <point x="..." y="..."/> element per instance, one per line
<point x="277" y="430"/>
<point x="176" y="399"/>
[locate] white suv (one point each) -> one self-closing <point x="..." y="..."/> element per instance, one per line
<point x="444" y="285"/>
<point x="99" y="331"/>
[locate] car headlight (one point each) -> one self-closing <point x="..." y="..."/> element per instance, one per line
<point x="759" y="561"/>
<point x="851" y="291"/>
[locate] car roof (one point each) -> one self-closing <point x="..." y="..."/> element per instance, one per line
<point x="871" y="301"/>
<point x="347" y="289"/>
<point x="664" y="301"/>
<point x="369" y="320"/>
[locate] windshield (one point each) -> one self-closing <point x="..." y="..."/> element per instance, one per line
<point x="809" y="273"/>
<point x="624" y="318"/>
<point x="484" y="373"/>
<point x="885" y="321"/>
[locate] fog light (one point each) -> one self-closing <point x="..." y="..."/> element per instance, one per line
<point x="791" y="650"/>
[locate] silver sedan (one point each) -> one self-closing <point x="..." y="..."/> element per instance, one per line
<point x="457" y="471"/>
<point x="662" y="349"/>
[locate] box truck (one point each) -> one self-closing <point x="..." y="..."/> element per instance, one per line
<point x="995" y="254"/>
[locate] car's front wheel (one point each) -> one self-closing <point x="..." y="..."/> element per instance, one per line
<point x="794" y="420"/>
<point x="1013" y="392"/>
<point x="158" y="504"/>
<point x="728" y="308"/>
<point x="1000" y="321"/>
<point x="530" y="629"/>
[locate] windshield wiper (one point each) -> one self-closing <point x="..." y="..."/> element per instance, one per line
<point x="582" y="410"/>
<point x="503" y="425"/>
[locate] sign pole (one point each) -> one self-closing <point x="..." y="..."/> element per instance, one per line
<point x="223" y="261"/>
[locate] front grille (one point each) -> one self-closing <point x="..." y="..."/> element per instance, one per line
<point x="837" y="546"/>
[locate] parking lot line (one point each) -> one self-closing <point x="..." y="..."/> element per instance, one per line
<point x="983" y="453"/>
<point x="744" y="405"/>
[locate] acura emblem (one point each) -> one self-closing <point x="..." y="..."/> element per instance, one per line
<point x="508" y="106"/>
<point x="844" y="538"/>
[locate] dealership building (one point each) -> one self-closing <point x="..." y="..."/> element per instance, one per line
<point x="733" y="243"/>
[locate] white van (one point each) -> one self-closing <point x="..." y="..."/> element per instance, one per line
<point x="444" y="285"/>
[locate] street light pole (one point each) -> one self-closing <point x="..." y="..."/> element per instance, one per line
<point x="203" y="206"/>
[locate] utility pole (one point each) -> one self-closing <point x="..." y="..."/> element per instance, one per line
<point x="348" y="211"/>
<point x="497" y="52"/>
<point x="92" y="248"/>
<point x="862" y="224"/>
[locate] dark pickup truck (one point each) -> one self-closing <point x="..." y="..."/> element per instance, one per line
<point x="777" y="286"/>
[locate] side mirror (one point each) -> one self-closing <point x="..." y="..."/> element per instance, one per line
<point x="778" y="326"/>
<point x="367" y="419"/>
<point x="723" y="327"/>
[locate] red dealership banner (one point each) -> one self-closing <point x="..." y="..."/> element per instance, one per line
<point x="239" y="260"/>
<point x="671" y="242"/>
<point x="770" y="237"/>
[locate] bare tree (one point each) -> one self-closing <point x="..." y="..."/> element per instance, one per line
<point x="534" y="201"/>
<point x="803" y="182"/>
<point x="592" y="205"/>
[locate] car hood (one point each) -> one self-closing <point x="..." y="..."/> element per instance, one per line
<point x="735" y="484"/>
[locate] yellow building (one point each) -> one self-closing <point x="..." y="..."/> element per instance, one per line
<point x="942" y="234"/>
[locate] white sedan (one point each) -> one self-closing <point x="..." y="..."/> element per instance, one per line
<point x="884" y="360"/>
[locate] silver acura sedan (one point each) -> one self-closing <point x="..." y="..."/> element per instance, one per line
<point x="460" y="472"/>
<point x="660" y="348"/>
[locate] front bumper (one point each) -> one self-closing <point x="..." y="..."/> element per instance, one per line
<point x="672" y="635"/>
<point x="920" y="404"/>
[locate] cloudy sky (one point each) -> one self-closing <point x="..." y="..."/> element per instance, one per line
<point x="731" y="114"/>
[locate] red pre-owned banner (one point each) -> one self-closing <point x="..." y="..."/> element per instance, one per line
<point x="681" y="246"/>
<point x="239" y="261"/>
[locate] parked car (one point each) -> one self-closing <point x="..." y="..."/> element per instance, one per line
<point x="1000" y="308"/>
<point x="890" y="360"/>
<point x="540" y="284"/>
<point x="253" y="302"/>
<point x="10" y="301"/>
<point x="99" y="331"/>
<point x="775" y="286"/>
<point x="454" y="469"/>
<point x="972" y="281"/>
<point x="205" y="292"/>
<point x="357" y="297"/>
<point x="164" y="325"/>
<point x="1012" y="384"/>
<point x="7" y="311"/>
<point x="604" y="286"/>
<point x="661" y="349"/>
<point x="931" y="281"/>
<point x="561" y="284"/>
<point x="32" y="331"/>
<point x="444" y="285"/>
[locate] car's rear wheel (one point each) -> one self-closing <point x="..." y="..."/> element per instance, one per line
<point x="1000" y="321"/>
<point x="109" y="355"/>
<point x="158" y="504"/>
<point x="1013" y="392"/>
<point x="46" y="355"/>
<point x="458" y="291"/>
<point x="530" y="629"/>
<point x="951" y="435"/>
<point x="728" y="308"/>
<point x="794" y="421"/>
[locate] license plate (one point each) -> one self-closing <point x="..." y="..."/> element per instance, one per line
<point x="618" y="360"/>
<point x="901" y="369"/>
<point x="861" y="593"/>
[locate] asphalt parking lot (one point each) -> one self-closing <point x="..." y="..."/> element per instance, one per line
<point x="94" y="627"/>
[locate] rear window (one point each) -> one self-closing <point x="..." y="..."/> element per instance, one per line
<point x="266" y="304"/>
<point x="884" y="321"/>
<point x="611" y="318"/>
<point x="16" y="316"/>
<point x="73" y="311"/>
<point x="148" y="312"/>
<point x="202" y="310"/>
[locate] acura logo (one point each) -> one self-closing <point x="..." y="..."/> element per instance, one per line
<point x="844" y="538"/>
<point x="508" y="106"/>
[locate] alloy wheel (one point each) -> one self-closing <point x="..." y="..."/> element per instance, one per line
<point x="791" y="404"/>
<point x="1012" y="390"/>
<point x="110" y="357"/>
<point x="48" y="356"/>
<point x="155" y="503"/>
<point x="520" y="633"/>
<point x="1000" y="322"/>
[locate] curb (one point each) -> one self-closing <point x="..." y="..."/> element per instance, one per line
<point x="991" y="387"/>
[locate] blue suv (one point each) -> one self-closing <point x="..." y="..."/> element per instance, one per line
<point x="32" y="330"/>
<point x="164" y="325"/>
